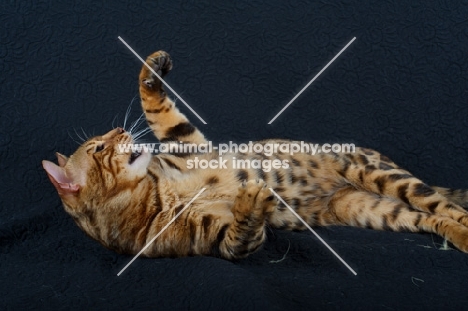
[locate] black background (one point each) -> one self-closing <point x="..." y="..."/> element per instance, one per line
<point x="400" y="88"/>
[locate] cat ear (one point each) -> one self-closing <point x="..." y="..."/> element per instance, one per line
<point x="62" y="160"/>
<point x="59" y="179"/>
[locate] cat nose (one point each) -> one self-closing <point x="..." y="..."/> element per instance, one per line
<point x="120" y="130"/>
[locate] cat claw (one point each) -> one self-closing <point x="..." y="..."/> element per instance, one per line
<point x="148" y="82"/>
<point x="160" y="62"/>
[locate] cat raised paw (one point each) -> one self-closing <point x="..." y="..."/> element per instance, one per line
<point x="161" y="63"/>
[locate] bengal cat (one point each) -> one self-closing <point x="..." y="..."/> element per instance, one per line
<point x="123" y="199"/>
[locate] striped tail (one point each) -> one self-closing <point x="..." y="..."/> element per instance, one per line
<point x="457" y="196"/>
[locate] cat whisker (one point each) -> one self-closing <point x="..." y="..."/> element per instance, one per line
<point x="136" y="123"/>
<point x="141" y="133"/>
<point x="84" y="133"/>
<point x="78" y="135"/>
<point x="77" y="142"/>
<point x="127" y="113"/>
<point x="141" y="123"/>
<point x="113" y="121"/>
<point x="146" y="141"/>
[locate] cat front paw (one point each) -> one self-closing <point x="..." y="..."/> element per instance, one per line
<point x="161" y="63"/>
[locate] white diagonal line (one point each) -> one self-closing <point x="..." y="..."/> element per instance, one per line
<point x="160" y="232"/>
<point x="313" y="79"/>
<point x="164" y="82"/>
<point x="311" y="230"/>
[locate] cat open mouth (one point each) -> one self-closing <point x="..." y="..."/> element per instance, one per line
<point x="133" y="157"/>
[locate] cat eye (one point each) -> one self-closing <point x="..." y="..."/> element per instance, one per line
<point x="99" y="148"/>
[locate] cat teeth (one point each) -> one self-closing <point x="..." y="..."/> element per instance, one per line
<point x="133" y="157"/>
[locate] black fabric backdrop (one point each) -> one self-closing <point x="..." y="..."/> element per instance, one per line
<point x="400" y="88"/>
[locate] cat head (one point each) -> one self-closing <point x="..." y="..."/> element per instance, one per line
<point x="98" y="171"/>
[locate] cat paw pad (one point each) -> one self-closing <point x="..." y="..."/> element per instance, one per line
<point x="161" y="63"/>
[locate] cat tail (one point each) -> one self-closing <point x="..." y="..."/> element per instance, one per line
<point x="458" y="196"/>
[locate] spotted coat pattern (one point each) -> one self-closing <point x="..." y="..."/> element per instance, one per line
<point x="124" y="208"/>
